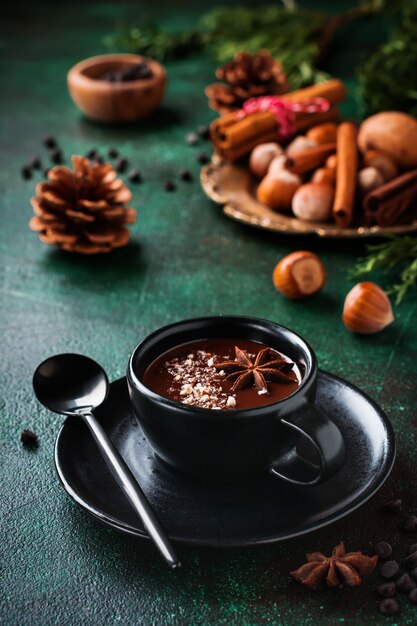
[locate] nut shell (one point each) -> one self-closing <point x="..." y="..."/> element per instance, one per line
<point x="369" y="179"/>
<point x="299" y="275"/>
<point x="313" y="202"/>
<point x="367" y="309"/>
<point x="277" y="164"/>
<point x="299" y="144"/>
<point x="276" y="190"/>
<point x="324" y="175"/>
<point x="331" y="162"/>
<point x="382" y="162"/>
<point x="261" y="157"/>
<point x="323" y="133"/>
<point x="392" y="132"/>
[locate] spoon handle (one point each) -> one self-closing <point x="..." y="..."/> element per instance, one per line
<point x="131" y="489"/>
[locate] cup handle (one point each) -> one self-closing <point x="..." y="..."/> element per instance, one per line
<point x="321" y="434"/>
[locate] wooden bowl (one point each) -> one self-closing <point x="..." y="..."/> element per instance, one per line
<point x="105" y="101"/>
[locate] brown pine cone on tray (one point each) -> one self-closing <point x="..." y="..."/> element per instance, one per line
<point x="246" y="76"/>
<point x="83" y="210"/>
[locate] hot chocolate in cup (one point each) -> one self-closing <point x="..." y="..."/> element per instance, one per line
<point x="229" y="396"/>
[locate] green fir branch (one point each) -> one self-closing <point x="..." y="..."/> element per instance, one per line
<point x="387" y="79"/>
<point x="397" y="253"/>
<point x="292" y="37"/>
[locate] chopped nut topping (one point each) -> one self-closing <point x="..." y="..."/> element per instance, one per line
<point x="198" y="378"/>
<point x="199" y="381"/>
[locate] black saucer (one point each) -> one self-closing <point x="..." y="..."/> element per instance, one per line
<point x="262" y="510"/>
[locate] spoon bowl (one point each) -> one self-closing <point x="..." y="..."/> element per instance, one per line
<point x="66" y="383"/>
<point x="73" y="384"/>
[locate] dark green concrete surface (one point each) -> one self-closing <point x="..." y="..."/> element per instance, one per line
<point x="57" y="565"/>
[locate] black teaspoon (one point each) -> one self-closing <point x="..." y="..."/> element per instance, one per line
<point x="73" y="384"/>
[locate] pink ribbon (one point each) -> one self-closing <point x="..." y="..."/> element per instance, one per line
<point x="284" y="111"/>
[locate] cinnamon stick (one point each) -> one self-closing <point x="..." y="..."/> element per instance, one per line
<point x="333" y="91"/>
<point x="235" y="133"/>
<point x="346" y="173"/>
<point x="387" y="204"/>
<point x="233" y="137"/>
<point x="304" y="121"/>
<point x="310" y="158"/>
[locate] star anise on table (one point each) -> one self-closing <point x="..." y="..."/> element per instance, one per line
<point x="337" y="569"/>
<point x="266" y="366"/>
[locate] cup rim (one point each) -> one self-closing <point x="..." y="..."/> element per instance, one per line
<point x="213" y="413"/>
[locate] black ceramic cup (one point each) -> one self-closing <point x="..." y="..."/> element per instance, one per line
<point x="291" y="438"/>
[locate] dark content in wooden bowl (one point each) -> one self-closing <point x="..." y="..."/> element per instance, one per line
<point x="111" y="88"/>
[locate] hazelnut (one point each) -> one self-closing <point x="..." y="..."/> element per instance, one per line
<point x="323" y="133"/>
<point x="331" y="162"/>
<point x="367" y="309"/>
<point x="369" y="179"/>
<point x="277" y="189"/>
<point x="382" y="162"/>
<point x="261" y="157"/>
<point x="324" y="175"/>
<point x="278" y="164"/>
<point x="392" y="132"/>
<point x="299" y="144"/>
<point x="299" y="274"/>
<point x="313" y="202"/>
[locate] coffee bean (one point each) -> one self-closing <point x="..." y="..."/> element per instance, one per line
<point x="121" y="164"/>
<point x="413" y="573"/>
<point x="202" y="158"/>
<point x="389" y="606"/>
<point x="134" y="176"/>
<point x="204" y="132"/>
<point x="28" y="438"/>
<point x="389" y="569"/>
<point x="91" y="154"/>
<point x="191" y="139"/>
<point x="393" y="506"/>
<point x="112" y="153"/>
<point x="139" y="71"/>
<point x="387" y="590"/>
<point x="112" y="77"/>
<point x="405" y="583"/>
<point x="26" y="172"/>
<point x="411" y="560"/>
<point x="409" y="524"/>
<point x="383" y="550"/>
<point x="56" y="156"/>
<point x="36" y="163"/>
<point x="412" y="596"/>
<point x="186" y="175"/>
<point x="412" y="549"/>
<point x="49" y="141"/>
<point x="169" y="186"/>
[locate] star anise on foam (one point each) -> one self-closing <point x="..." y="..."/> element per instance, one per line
<point x="337" y="569"/>
<point x="267" y="366"/>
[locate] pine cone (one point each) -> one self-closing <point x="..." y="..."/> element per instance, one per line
<point x="246" y="76"/>
<point x="83" y="210"/>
